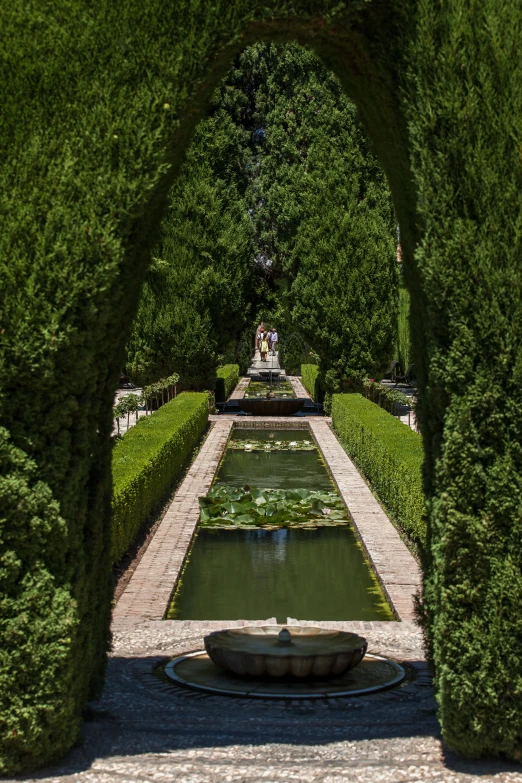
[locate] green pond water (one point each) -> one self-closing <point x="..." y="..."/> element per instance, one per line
<point x="317" y="573"/>
<point x="277" y="469"/>
<point x="257" y="574"/>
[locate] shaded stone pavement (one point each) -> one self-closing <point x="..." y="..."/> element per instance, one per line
<point x="144" y="729"/>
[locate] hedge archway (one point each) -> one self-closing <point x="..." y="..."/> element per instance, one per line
<point x="98" y="107"/>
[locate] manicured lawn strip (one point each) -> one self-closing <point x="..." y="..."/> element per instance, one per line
<point x="389" y="455"/>
<point x="310" y="380"/>
<point x="148" y="459"/>
<point x="227" y="378"/>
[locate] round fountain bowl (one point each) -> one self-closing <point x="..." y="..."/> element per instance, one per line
<point x="273" y="652"/>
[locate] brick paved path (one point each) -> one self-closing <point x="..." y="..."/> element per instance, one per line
<point x="239" y="391"/>
<point x="297" y="386"/>
<point x="395" y="566"/>
<point x="148" y="592"/>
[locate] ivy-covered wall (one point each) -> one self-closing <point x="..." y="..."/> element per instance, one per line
<point x="98" y="104"/>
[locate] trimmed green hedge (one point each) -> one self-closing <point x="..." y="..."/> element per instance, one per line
<point x="148" y="459"/>
<point x="389" y="455"/>
<point x="310" y="379"/>
<point x="227" y="378"/>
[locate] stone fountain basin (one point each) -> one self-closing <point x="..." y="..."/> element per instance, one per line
<point x="310" y="652"/>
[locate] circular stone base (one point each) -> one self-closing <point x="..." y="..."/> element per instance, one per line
<point x="197" y="671"/>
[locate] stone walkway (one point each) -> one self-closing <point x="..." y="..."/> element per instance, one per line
<point x="297" y="386"/>
<point x="272" y="363"/>
<point x="239" y="391"/>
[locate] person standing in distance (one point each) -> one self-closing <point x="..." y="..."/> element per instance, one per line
<point x="275" y="340"/>
<point x="259" y="331"/>
<point x="264" y="347"/>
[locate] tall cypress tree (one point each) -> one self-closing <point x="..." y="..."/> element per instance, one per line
<point x="197" y="294"/>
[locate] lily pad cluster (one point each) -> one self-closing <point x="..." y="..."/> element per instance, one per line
<point x="273" y="445"/>
<point x="249" y="507"/>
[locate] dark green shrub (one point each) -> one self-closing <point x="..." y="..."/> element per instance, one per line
<point x="403" y="344"/>
<point x="198" y="290"/>
<point x="39" y="619"/>
<point x="386" y="396"/>
<point x="293" y="351"/>
<point x="227" y="378"/>
<point x="311" y="378"/>
<point x="148" y="459"/>
<point x="389" y="455"/>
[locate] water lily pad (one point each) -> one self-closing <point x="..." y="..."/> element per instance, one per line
<point x="233" y="508"/>
<point x="251" y="506"/>
<point x="245" y="519"/>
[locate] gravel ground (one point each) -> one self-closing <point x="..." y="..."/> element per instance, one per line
<point x="144" y="729"/>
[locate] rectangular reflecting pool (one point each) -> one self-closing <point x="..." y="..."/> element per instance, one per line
<point x="274" y="469"/>
<point x="287" y="551"/>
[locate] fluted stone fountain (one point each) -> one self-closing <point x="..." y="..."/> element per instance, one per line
<point x="271" y="662"/>
<point x="275" y="653"/>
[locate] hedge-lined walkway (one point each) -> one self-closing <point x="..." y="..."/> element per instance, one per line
<point x="148" y="592"/>
<point x="410" y="419"/>
<point x="396" y="567"/>
<point x="145" y="729"/>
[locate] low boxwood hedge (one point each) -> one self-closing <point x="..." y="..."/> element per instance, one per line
<point x="389" y="455"/>
<point x="310" y="379"/>
<point x="148" y="459"/>
<point x="227" y="378"/>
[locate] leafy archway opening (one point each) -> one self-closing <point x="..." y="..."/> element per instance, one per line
<point x="280" y="214"/>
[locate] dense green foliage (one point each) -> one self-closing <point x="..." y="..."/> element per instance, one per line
<point x="148" y="459"/>
<point x="310" y="376"/>
<point x="196" y="297"/>
<point x="389" y="455"/>
<point x="293" y="350"/>
<point x="403" y="346"/>
<point x="227" y="378"/>
<point x="39" y="618"/>
<point x="467" y="326"/>
<point x="98" y="105"/>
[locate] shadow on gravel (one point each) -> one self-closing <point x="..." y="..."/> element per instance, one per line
<point x="141" y="714"/>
